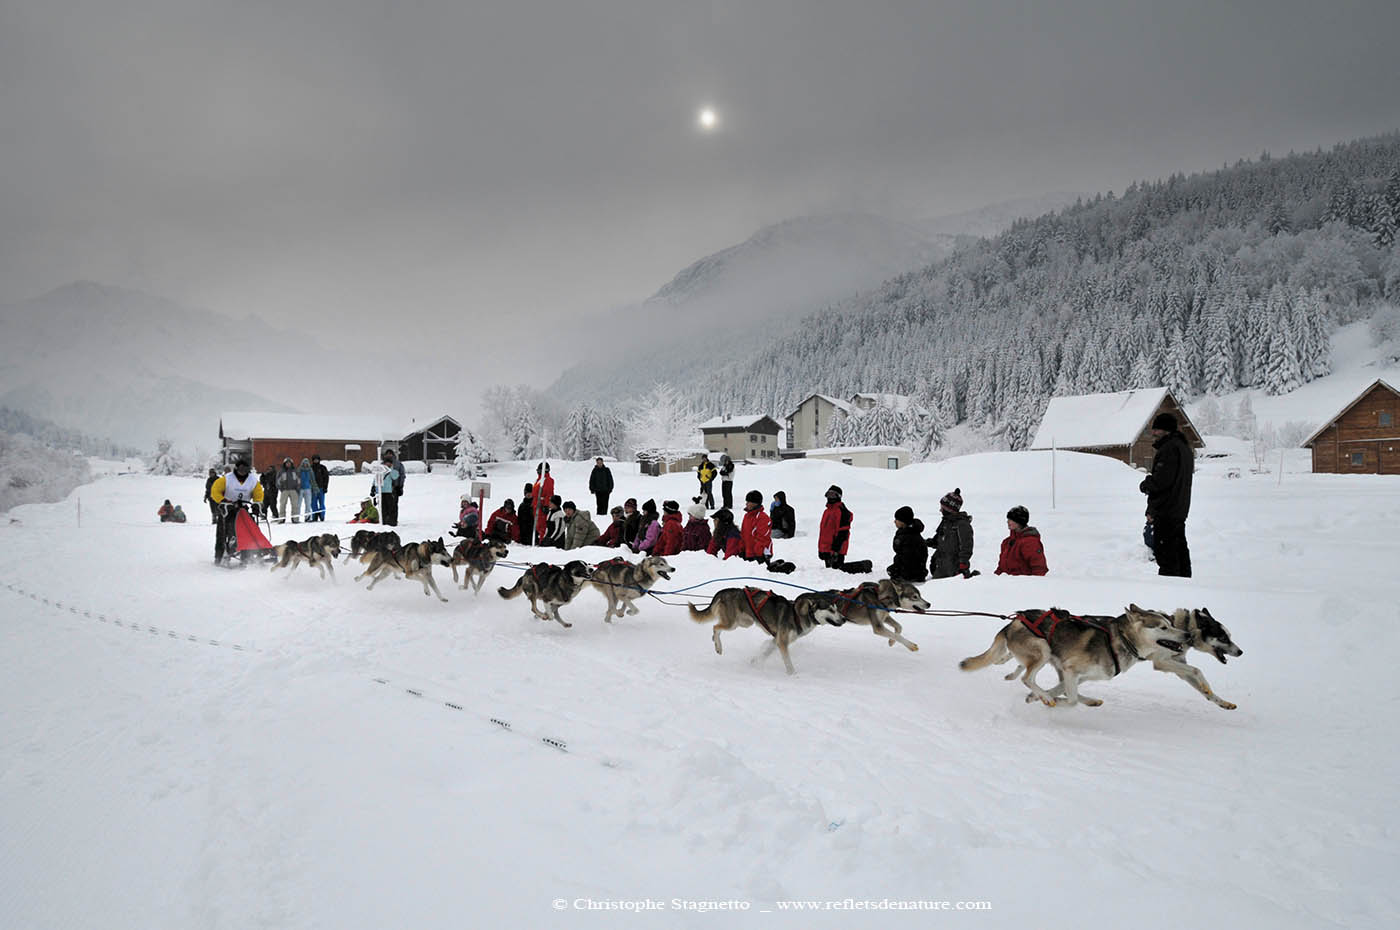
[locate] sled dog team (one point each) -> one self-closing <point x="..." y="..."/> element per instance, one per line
<point x="1078" y="648"/>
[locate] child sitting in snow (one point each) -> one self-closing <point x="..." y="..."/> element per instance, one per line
<point x="367" y="514"/>
<point x="468" y="524"/>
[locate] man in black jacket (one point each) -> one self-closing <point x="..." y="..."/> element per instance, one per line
<point x="322" y="477"/>
<point x="1168" y="491"/>
<point x="600" y="482"/>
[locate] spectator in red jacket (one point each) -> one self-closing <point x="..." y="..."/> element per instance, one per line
<point x="757" y="529"/>
<point x="668" y="541"/>
<point x="1021" y="552"/>
<point x="503" y="524"/>
<point x="612" y="536"/>
<point x="543" y="497"/>
<point x="696" y="536"/>
<point x="834" y="538"/>
<point x="726" y="540"/>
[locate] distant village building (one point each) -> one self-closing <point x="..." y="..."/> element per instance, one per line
<point x="1363" y="439"/>
<point x="899" y="403"/>
<point x="267" y="438"/>
<point x="808" y="423"/>
<point x="1118" y="425"/>
<point x="753" y="436"/>
<point x="656" y="462"/>
<point x="890" y="457"/>
<point x="434" y="442"/>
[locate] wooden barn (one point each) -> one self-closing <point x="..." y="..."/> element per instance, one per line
<point x="268" y="437"/>
<point x="1363" y="439"/>
<point x="434" y="441"/>
<point x="1118" y="425"/>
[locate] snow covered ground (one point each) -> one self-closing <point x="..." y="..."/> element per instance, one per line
<point x="152" y="779"/>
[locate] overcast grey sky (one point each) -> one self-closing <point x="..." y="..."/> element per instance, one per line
<point x="323" y="160"/>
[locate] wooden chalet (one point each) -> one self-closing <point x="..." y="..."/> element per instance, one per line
<point x="1118" y="424"/>
<point x="1363" y="439"/>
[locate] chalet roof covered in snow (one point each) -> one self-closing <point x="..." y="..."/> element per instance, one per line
<point x="253" y="425"/>
<point x="749" y="421"/>
<point x="899" y="403"/>
<point x="418" y="426"/>
<point x="1379" y="382"/>
<point x="1090" y="421"/>
<point x="842" y="405"/>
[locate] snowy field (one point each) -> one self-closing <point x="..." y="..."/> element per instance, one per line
<point x="155" y="780"/>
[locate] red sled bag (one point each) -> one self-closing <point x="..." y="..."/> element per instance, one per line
<point x="250" y="538"/>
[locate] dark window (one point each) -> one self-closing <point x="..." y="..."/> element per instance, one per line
<point x="1358" y="458"/>
<point x="1385" y="418"/>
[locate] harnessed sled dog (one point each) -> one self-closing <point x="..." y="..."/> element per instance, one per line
<point x="478" y="558"/>
<point x="414" y="562"/>
<point x="623" y="582"/>
<point x="555" y="585"/>
<point x="870" y="604"/>
<point x="784" y="620"/>
<point x="1100" y="648"/>
<point x="372" y="541"/>
<point x="319" y="551"/>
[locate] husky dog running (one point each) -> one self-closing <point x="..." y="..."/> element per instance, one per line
<point x="372" y="541"/>
<point x="870" y="604"/>
<point x="623" y="582"/>
<point x="320" y="551"/>
<point x="478" y="558"/>
<point x="414" y="561"/>
<point x="784" y="620"/>
<point x="554" y="585"/>
<point x="1202" y="632"/>
<point x="1084" y="648"/>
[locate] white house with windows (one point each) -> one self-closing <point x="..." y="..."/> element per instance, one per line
<point x="751" y="436"/>
<point x="890" y="457"/>
<point x="809" y="421"/>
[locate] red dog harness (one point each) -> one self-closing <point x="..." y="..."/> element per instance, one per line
<point x="1034" y="621"/>
<point x="758" y="608"/>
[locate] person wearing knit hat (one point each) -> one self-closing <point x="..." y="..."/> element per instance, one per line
<point x="834" y="534"/>
<point x="670" y="537"/>
<point x="952" y="540"/>
<point x="1021" y="552"/>
<point x="525" y="516"/>
<point x="556" y="529"/>
<point x="612" y="536"/>
<point x="579" y="528"/>
<point x="631" y="521"/>
<point x="1168" y="490"/>
<point x="756" y="531"/>
<point x="696" y="535"/>
<point x="727" y="540"/>
<point x="648" y="529"/>
<point x="910" y="550"/>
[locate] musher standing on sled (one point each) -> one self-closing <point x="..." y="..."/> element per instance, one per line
<point x="231" y="493"/>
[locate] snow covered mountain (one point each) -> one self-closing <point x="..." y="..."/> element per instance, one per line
<point x="720" y="305"/>
<point x="801" y="263"/>
<point x="134" y="367"/>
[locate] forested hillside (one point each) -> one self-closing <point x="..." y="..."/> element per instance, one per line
<point x="1204" y="283"/>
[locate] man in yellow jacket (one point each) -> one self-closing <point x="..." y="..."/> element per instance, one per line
<point x="706" y="472"/>
<point x="229" y="493"/>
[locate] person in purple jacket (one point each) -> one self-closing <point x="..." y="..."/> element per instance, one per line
<point x="648" y="530"/>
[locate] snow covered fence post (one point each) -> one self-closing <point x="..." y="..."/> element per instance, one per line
<point x="1052" y="472"/>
